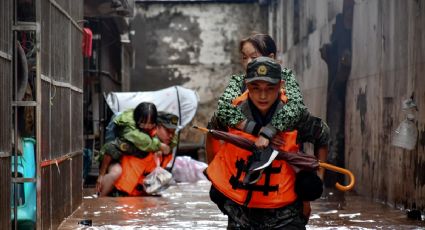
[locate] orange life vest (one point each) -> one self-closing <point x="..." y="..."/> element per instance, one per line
<point x="274" y="189"/>
<point x="135" y="169"/>
<point x="213" y="145"/>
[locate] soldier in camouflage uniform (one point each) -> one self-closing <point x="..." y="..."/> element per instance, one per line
<point x="252" y="47"/>
<point x="293" y="115"/>
<point x="136" y="135"/>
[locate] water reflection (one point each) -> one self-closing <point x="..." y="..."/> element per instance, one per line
<point x="336" y="210"/>
<point x="187" y="206"/>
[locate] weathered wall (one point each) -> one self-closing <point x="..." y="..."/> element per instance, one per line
<point x="387" y="66"/>
<point x="300" y="28"/>
<point x="193" y="45"/>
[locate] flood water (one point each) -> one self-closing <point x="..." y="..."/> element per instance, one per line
<point x="187" y="206"/>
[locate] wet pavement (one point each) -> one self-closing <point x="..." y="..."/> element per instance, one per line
<point x="187" y="206"/>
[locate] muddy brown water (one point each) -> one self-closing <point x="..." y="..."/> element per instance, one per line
<point x="187" y="206"/>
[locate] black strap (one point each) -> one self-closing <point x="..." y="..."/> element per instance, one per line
<point x="254" y="187"/>
<point x="266" y="188"/>
<point x="240" y="166"/>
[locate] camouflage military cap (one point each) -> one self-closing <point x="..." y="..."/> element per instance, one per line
<point x="168" y="120"/>
<point x="263" y="69"/>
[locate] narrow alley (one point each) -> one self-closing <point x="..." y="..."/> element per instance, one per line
<point x="121" y="96"/>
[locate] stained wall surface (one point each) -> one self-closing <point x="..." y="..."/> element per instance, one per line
<point x="193" y="45"/>
<point x="387" y="67"/>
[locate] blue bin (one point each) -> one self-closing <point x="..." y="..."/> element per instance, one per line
<point x="27" y="193"/>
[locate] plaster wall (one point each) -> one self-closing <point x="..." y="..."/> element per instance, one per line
<point x="387" y="67"/>
<point x="193" y="45"/>
<point x="300" y="28"/>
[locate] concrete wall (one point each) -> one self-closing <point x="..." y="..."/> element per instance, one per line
<point x="193" y="45"/>
<point x="387" y="66"/>
<point x="300" y="28"/>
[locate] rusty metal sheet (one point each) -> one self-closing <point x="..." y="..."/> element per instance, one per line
<point x="77" y="119"/>
<point x="76" y="59"/>
<point x="60" y="193"/>
<point x="45" y="120"/>
<point x="5" y="183"/>
<point x="46" y="207"/>
<point x="6" y="45"/>
<point x="77" y="174"/>
<point x="61" y="109"/>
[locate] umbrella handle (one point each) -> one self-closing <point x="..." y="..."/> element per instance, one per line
<point x="343" y="171"/>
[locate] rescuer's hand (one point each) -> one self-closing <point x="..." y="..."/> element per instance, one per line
<point x="158" y="153"/>
<point x="306" y="209"/>
<point x="165" y="149"/>
<point x="99" y="184"/>
<point x="262" y="142"/>
<point x="321" y="173"/>
<point x="241" y="125"/>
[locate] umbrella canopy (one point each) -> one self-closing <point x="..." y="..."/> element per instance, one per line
<point x="298" y="160"/>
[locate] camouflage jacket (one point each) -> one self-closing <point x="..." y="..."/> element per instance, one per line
<point x="284" y="119"/>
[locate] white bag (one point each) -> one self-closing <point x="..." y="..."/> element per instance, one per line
<point x="157" y="180"/>
<point x="187" y="169"/>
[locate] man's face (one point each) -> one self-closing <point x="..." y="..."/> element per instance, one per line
<point x="263" y="94"/>
<point x="165" y="135"/>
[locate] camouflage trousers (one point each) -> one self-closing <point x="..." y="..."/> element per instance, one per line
<point x="118" y="147"/>
<point x="240" y="217"/>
